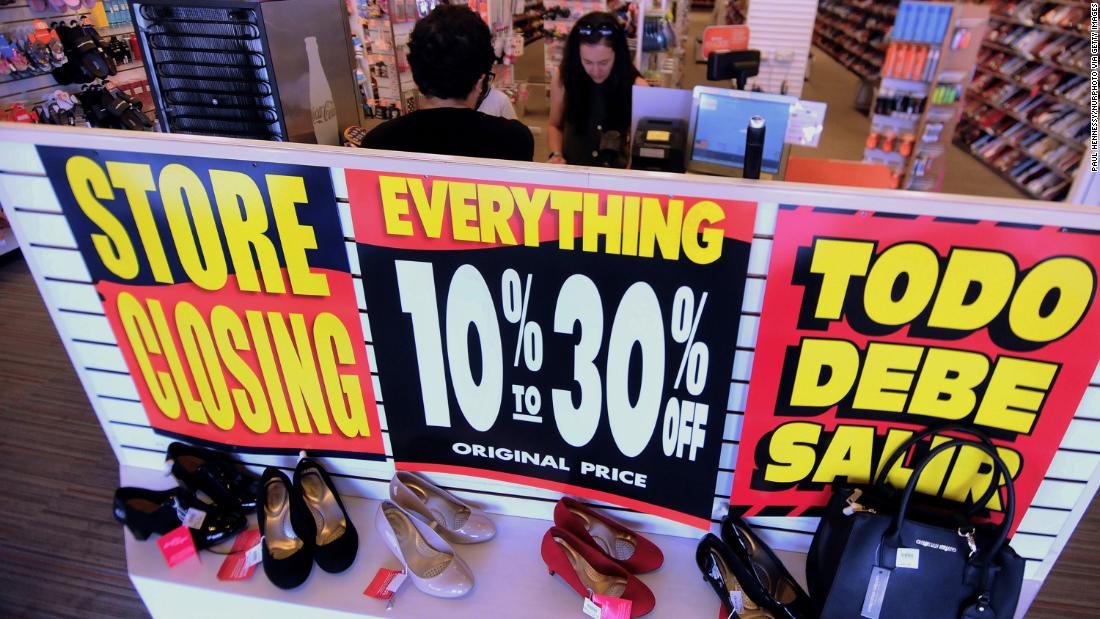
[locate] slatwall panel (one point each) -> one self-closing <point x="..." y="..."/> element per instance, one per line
<point x="74" y="307"/>
<point x="782" y="31"/>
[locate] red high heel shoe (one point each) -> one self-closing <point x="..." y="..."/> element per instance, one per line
<point x="588" y="571"/>
<point x="634" y="552"/>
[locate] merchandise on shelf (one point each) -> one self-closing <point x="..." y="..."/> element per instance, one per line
<point x="529" y="21"/>
<point x="385" y="76"/>
<point x="1027" y="115"/>
<point x="854" y="33"/>
<point x="929" y="56"/>
<point x="737" y="12"/>
<point x="558" y="21"/>
<point x="30" y="50"/>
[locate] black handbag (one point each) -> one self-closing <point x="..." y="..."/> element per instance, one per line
<point x="875" y="555"/>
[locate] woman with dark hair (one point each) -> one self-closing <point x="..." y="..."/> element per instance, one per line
<point x="590" y="94"/>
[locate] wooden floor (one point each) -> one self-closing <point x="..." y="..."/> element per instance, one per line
<point x="61" y="550"/>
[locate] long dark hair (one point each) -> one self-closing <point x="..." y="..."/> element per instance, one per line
<point x="601" y="28"/>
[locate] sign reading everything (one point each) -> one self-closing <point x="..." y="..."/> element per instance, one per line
<point x="875" y="326"/>
<point x="228" y="288"/>
<point x="577" y="340"/>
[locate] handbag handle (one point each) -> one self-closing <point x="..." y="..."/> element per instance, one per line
<point x="904" y="448"/>
<point x="1010" y="489"/>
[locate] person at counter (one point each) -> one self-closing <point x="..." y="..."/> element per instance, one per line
<point x="451" y="56"/>
<point x="590" y="94"/>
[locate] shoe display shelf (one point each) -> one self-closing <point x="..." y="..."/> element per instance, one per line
<point x="1027" y="114"/>
<point x="34" y="90"/>
<point x="854" y="33"/>
<point x="512" y="580"/>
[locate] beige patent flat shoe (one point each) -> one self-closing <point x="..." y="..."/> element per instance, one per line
<point x="431" y="563"/>
<point x="455" y="519"/>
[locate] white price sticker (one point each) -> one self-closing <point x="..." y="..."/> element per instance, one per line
<point x="591" y="609"/>
<point x="737" y="598"/>
<point x="255" y="555"/>
<point x="908" y="558"/>
<point x="398" y="580"/>
<point x="193" y="518"/>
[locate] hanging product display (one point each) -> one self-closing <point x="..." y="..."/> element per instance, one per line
<point x="928" y="61"/>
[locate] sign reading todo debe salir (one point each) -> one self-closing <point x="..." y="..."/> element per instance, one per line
<point x="876" y="325"/>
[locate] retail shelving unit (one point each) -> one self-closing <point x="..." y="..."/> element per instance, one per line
<point x="386" y="80"/>
<point x="555" y="29"/>
<point x="930" y="58"/>
<point x="110" y="20"/>
<point x="383" y="30"/>
<point x="1027" y="114"/>
<point x="737" y="12"/>
<point x="529" y="22"/>
<point x="662" y="65"/>
<point x="854" y="33"/>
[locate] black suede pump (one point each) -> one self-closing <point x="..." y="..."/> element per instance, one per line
<point x="335" y="541"/>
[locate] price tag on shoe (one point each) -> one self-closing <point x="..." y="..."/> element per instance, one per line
<point x="612" y="607"/>
<point x="193" y="518"/>
<point x="255" y="555"/>
<point x="385" y="583"/>
<point x="246" y="553"/>
<point x="177" y="546"/>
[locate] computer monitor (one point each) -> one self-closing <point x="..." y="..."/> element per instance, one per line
<point x="719" y="122"/>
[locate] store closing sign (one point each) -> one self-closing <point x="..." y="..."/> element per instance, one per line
<point x="228" y="288"/>
<point x="877" y="325"/>
<point x="572" y="339"/>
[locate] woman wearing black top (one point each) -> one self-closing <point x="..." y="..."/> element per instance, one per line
<point x="590" y="94"/>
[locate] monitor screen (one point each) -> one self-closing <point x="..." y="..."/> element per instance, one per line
<point x="721" y="120"/>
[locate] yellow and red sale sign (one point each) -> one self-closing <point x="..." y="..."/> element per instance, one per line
<point x="875" y="326"/>
<point x="228" y="289"/>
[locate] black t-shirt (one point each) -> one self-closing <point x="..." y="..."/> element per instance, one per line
<point x="454" y="131"/>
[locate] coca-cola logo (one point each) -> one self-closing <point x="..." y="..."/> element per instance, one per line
<point x="324" y="113"/>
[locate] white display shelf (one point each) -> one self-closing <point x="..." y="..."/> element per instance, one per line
<point x="512" y="580"/>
